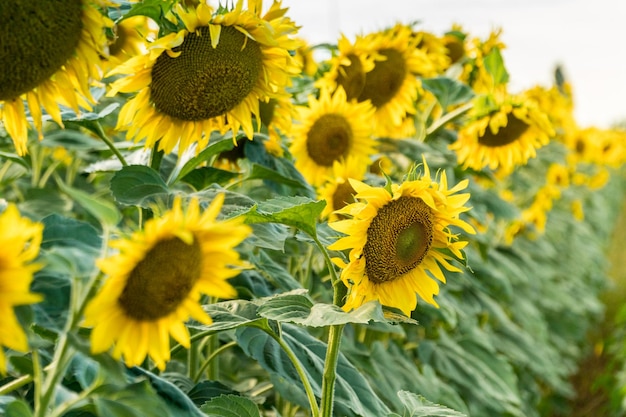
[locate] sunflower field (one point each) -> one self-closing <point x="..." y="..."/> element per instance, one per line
<point x="202" y="214"/>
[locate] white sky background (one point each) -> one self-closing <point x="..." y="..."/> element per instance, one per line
<point x="586" y="37"/>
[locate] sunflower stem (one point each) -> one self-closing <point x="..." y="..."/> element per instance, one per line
<point x="64" y="352"/>
<point x="102" y="135"/>
<point x="16" y="384"/>
<point x="315" y="411"/>
<point x="156" y="157"/>
<point x="330" y="370"/>
<point x="448" y="117"/>
<point x="208" y="360"/>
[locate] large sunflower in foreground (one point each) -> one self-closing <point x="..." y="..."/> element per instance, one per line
<point x="331" y="129"/>
<point x="20" y="239"/>
<point x="50" y="53"/>
<point x="208" y="76"/>
<point x="155" y="281"/>
<point x="506" y="136"/>
<point x="399" y="239"/>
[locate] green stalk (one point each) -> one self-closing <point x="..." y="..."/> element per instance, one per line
<point x="64" y="352"/>
<point x="334" y="340"/>
<point x="212" y="356"/>
<point x="315" y="412"/>
<point x="330" y="370"/>
<point x="102" y="135"/>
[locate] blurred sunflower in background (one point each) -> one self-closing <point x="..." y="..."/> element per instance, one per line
<point x="331" y="129"/>
<point x="399" y="239"/>
<point x="382" y="68"/>
<point x="130" y="38"/>
<point x="502" y="135"/>
<point x="155" y="281"/>
<point x="337" y="190"/>
<point x="210" y="75"/>
<point x="51" y="54"/>
<point x="20" y="239"/>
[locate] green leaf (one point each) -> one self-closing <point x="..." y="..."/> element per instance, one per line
<point x="134" y="400"/>
<point x="18" y="408"/>
<point x="217" y="144"/>
<point x="177" y="402"/>
<point x="296" y="307"/>
<point x="206" y="390"/>
<point x="449" y="92"/>
<point x="299" y="212"/>
<point x="103" y="210"/>
<point x="64" y="231"/>
<point x="273" y="272"/>
<point x="494" y="64"/>
<point x="418" y="406"/>
<point x="353" y="395"/>
<point x="137" y="185"/>
<point x="260" y="172"/>
<point x="230" y="406"/>
<point x="229" y="315"/>
<point x="14" y="157"/>
<point x="202" y="177"/>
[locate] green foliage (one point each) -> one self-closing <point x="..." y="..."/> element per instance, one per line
<point x="511" y="329"/>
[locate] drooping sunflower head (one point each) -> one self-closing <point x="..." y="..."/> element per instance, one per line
<point x="20" y="239"/>
<point x="399" y="239"/>
<point x="156" y="279"/>
<point x="558" y="105"/>
<point x="331" y="129"/>
<point x="436" y="51"/>
<point x="50" y="54"/>
<point x="210" y="75"/>
<point x="504" y="137"/>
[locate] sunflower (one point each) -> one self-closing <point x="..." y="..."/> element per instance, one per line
<point x="155" y="281"/>
<point x="337" y="191"/>
<point x="389" y="62"/>
<point x="208" y="76"/>
<point x="277" y="115"/>
<point x="331" y="129"/>
<point x="130" y="37"/>
<point x="399" y="239"/>
<point x="50" y="53"/>
<point x="20" y="239"/>
<point x="503" y="137"/>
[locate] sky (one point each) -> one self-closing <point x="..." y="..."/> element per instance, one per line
<point x="586" y="37"/>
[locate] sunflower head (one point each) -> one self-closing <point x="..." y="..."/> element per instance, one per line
<point x="210" y="75"/>
<point x="156" y="279"/>
<point x="337" y="190"/>
<point x="330" y="130"/>
<point x="399" y="239"/>
<point x="505" y="137"/>
<point x="51" y="52"/>
<point x="20" y="239"/>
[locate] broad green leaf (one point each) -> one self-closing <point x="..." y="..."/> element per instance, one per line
<point x="296" y="307"/>
<point x="494" y="64"/>
<point x="418" y="406"/>
<point x="13" y="157"/>
<point x="18" y="408"/>
<point x="202" y="177"/>
<point x="299" y="212"/>
<point x="273" y="272"/>
<point x="449" y="92"/>
<point x="177" y="402"/>
<point x="260" y="172"/>
<point x="64" y="231"/>
<point x="137" y="185"/>
<point x="230" y="406"/>
<point x="229" y="315"/>
<point x="353" y="395"/>
<point x="42" y="202"/>
<point x="103" y="210"/>
<point x="217" y="144"/>
<point x="206" y="390"/>
<point x="133" y="400"/>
